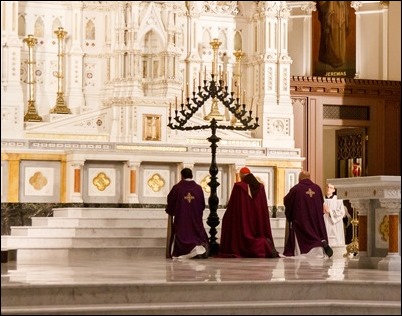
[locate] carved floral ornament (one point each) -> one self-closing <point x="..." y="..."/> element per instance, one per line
<point x="360" y="206"/>
<point x="384" y="228"/>
<point x="393" y="206"/>
<point x="221" y="7"/>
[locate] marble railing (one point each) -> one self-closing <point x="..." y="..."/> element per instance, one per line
<point x="377" y="202"/>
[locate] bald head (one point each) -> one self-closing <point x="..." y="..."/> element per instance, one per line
<point x="304" y="175"/>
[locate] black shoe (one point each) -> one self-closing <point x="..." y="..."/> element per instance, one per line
<point x="275" y="253"/>
<point x="328" y="250"/>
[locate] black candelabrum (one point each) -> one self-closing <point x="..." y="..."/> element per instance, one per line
<point x="215" y="90"/>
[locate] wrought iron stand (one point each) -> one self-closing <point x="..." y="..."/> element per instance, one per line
<point x="215" y="90"/>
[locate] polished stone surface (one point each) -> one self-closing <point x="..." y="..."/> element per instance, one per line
<point x="213" y="286"/>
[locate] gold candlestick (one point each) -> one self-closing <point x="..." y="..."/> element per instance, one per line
<point x="60" y="107"/>
<point x="353" y="247"/>
<point x="31" y="115"/>
<point x="214" y="112"/>
<point x="237" y="78"/>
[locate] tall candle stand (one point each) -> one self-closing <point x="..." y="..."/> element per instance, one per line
<point x="31" y="115"/>
<point x="216" y="90"/>
<point x="60" y="107"/>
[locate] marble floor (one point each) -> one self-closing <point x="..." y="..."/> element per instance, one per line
<point x="159" y="286"/>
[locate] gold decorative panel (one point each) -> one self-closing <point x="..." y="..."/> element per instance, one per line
<point x="151" y="127"/>
<point x="38" y="181"/>
<point x="156" y="182"/>
<point x="101" y="181"/>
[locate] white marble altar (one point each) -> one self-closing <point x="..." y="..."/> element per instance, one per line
<point x="377" y="201"/>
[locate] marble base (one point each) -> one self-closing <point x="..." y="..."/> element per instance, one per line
<point x="339" y="251"/>
<point x="363" y="262"/>
<point x="392" y="262"/>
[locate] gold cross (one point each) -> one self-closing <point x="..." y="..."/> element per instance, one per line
<point x="310" y="192"/>
<point x="189" y="197"/>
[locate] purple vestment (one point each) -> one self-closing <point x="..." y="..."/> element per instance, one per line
<point x="304" y="213"/>
<point x="186" y="203"/>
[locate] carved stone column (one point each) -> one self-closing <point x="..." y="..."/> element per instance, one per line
<point x="392" y="262"/>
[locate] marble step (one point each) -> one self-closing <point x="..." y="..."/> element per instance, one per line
<point x="99" y="222"/>
<point x="39" y="293"/>
<point x="129" y="213"/>
<point x="63" y="231"/>
<point x="107" y="218"/>
<point x="77" y="236"/>
<point x="45" y="231"/>
<point x="157" y="213"/>
<point x="70" y="255"/>
<point x="84" y="242"/>
<point x="69" y="222"/>
<point x="305" y="307"/>
<point x="118" y="212"/>
<point x="120" y="222"/>
<point x="82" y="232"/>
<point x="19" y="242"/>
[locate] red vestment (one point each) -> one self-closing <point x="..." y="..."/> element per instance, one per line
<point x="246" y="228"/>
